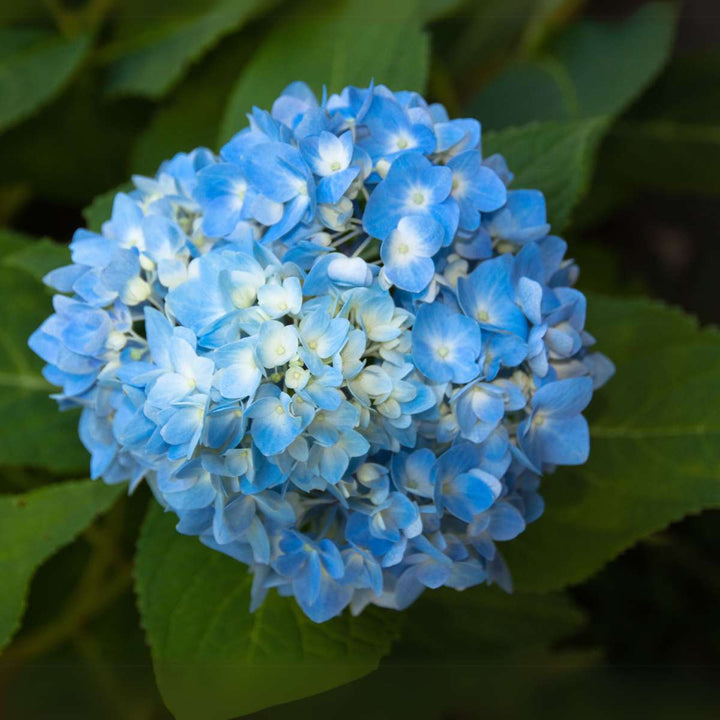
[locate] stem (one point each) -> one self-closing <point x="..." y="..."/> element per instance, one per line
<point x="345" y="237"/>
<point x="362" y="246"/>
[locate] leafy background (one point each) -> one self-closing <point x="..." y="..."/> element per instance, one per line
<point x="613" y="109"/>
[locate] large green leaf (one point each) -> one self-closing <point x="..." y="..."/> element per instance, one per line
<point x="213" y="658"/>
<point x="345" y="45"/>
<point x="655" y="450"/>
<point x="671" y="138"/>
<point x="556" y="158"/>
<point x="38" y="435"/>
<point x="593" y="69"/>
<point x="485" y="34"/>
<point x="33" y="69"/>
<point x="483" y="625"/>
<point x="75" y="147"/>
<point x="38" y="257"/>
<point x="33" y="527"/>
<point x="191" y="116"/>
<point x="471" y="654"/>
<point x="151" y="62"/>
<point x="14" y="11"/>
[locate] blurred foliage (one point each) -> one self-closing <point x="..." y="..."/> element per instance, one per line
<point x="620" y="132"/>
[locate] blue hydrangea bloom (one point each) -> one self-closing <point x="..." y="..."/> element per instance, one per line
<point x="341" y="351"/>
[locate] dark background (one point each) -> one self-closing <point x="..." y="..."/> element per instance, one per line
<point x="650" y="643"/>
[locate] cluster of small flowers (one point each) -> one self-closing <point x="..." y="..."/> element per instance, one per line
<point x="342" y="351"/>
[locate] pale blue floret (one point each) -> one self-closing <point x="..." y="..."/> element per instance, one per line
<point x="393" y="132"/>
<point x="556" y="433"/>
<point x="408" y="252"/>
<point x="487" y="295"/>
<point x="446" y="345"/>
<point x="222" y="192"/>
<point x="314" y="570"/>
<point x="329" y="157"/>
<point x="413" y="186"/>
<point x="476" y="188"/>
<point x="238" y="374"/>
<point x="274" y="423"/>
<point x="523" y="218"/>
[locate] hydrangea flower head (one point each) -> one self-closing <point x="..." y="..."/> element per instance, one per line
<point x="341" y="351"/>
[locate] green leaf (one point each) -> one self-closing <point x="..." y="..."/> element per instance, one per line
<point x="33" y="527"/>
<point x="24" y="11"/>
<point x="34" y="71"/>
<point x="664" y="155"/>
<point x="671" y="138"/>
<point x="213" y="658"/>
<point x="75" y="147"/>
<point x="485" y="34"/>
<point x="191" y="116"/>
<point x="593" y="69"/>
<point x="449" y="627"/>
<point x="655" y="455"/>
<point x="39" y="435"/>
<point x="150" y="63"/>
<point x="39" y="257"/>
<point x="556" y="158"/>
<point x="348" y="45"/>
<point x="100" y="208"/>
<point x="471" y="654"/>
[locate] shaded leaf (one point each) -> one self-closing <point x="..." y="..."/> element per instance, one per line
<point x="14" y="11"/>
<point x="39" y="435"/>
<point x="213" y="658"/>
<point x="670" y="140"/>
<point x="548" y="688"/>
<point x="485" y="34"/>
<point x="191" y="116"/>
<point x="655" y="455"/>
<point x="665" y="155"/>
<point x="151" y="62"/>
<point x="483" y="625"/>
<point x="33" y="527"/>
<point x="347" y="45"/>
<point x="556" y="158"/>
<point x="35" y="70"/>
<point x="75" y="147"/>
<point x="593" y="69"/>
<point x="39" y="257"/>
